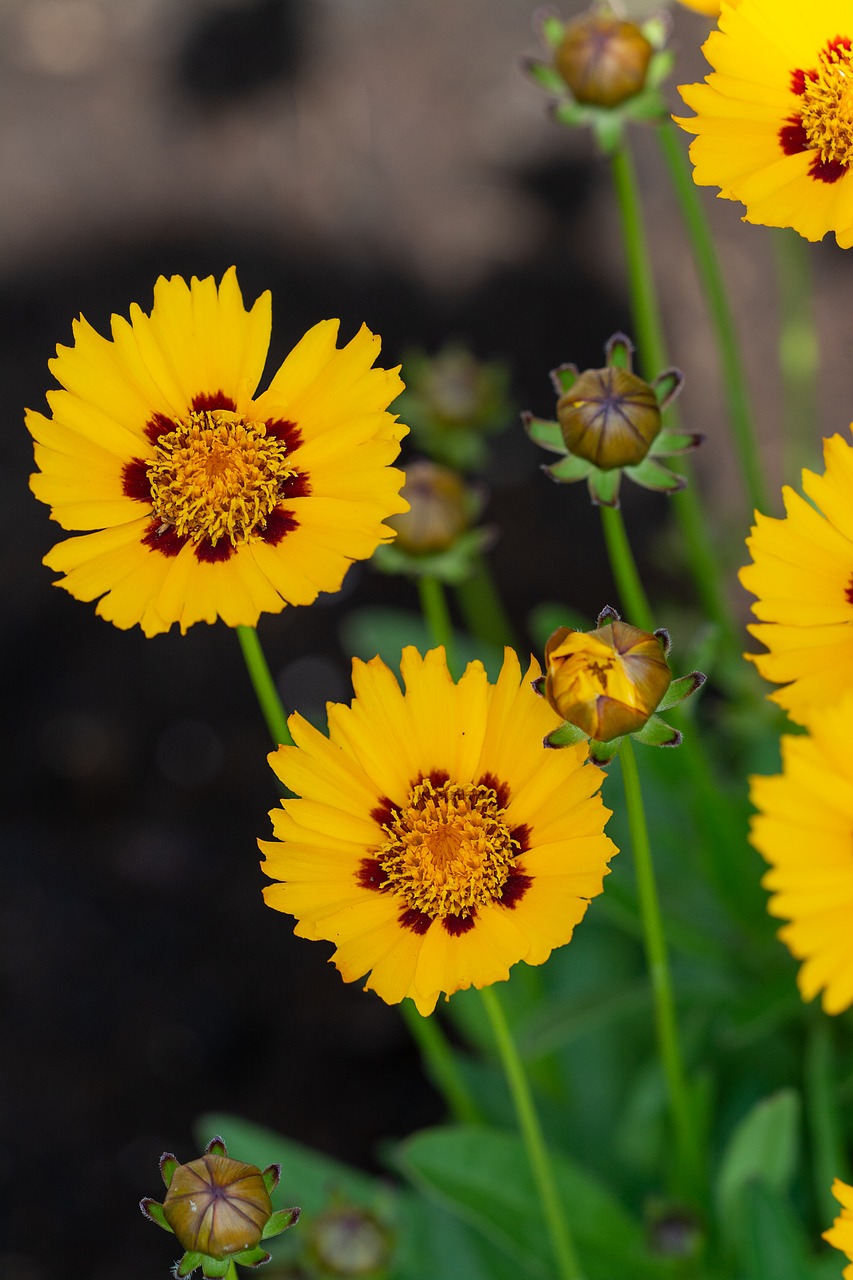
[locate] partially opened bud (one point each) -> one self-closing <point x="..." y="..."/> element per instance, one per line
<point x="610" y="417"/>
<point x="603" y="60"/>
<point x="607" y="682"/>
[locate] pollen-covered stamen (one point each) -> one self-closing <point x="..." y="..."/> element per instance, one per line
<point x="824" y="122"/>
<point x="216" y="475"/>
<point x="449" y="850"/>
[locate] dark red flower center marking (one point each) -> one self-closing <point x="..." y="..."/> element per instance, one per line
<point x="448" y="852"/>
<point x="823" y="121"/>
<point x="848" y="594"/>
<point x="217" y="480"/>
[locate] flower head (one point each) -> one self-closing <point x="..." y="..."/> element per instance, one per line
<point x="195" y="496"/>
<point x="803" y="830"/>
<point x="436" y="536"/>
<point x="433" y="840"/>
<point x="219" y="1209"/>
<point x="609" y="422"/>
<point x="840" y="1234"/>
<point x="774" y="119"/>
<point x="802" y="574"/>
<point x="609" y="683"/>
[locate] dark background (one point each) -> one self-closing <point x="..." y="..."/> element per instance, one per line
<point x="379" y="162"/>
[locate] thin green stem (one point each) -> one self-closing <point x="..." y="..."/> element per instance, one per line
<point x="264" y="686"/>
<point x="799" y="353"/>
<point x="687" y="1157"/>
<point x="440" y="1065"/>
<point x="482" y="608"/>
<point x="437" y="615"/>
<point x="624" y="569"/>
<point x="827" y="1142"/>
<point x="722" y="322"/>
<point x="653" y="360"/>
<point x="568" y="1266"/>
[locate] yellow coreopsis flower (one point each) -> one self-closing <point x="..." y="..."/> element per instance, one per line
<point x="802" y="574"/>
<point x="774" y="120"/>
<point x="198" y="498"/>
<point x="840" y="1234"/>
<point x="803" y="830"/>
<point x="433" y="840"/>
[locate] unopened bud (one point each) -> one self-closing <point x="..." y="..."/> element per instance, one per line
<point x="610" y="417"/>
<point x="607" y="682"/>
<point x="439" y="506"/>
<point x="603" y="60"/>
<point x="217" y="1206"/>
<point x="349" y="1241"/>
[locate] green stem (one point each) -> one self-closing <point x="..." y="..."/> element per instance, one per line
<point x="482" y="608"/>
<point x="437" y="615"/>
<point x="624" y="569"/>
<point x="440" y="1065"/>
<point x="653" y="360"/>
<point x="827" y="1143"/>
<point x="264" y="686"/>
<point x="568" y="1266"/>
<point x="687" y="1158"/>
<point x="722" y="322"/>
<point x="799" y="355"/>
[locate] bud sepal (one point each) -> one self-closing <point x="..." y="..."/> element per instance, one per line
<point x="602" y="71"/>
<point x="609" y="684"/>
<point x="219" y="1209"/>
<point x="609" y="423"/>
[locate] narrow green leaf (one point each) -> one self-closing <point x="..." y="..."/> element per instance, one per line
<point x="769" y="1238"/>
<point x="762" y="1149"/>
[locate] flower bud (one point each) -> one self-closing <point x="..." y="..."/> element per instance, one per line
<point x="439" y="507"/>
<point x="607" y="682"/>
<point x="218" y="1206"/>
<point x="349" y="1241"/>
<point x="603" y="59"/>
<point x="219" y="1209"/>
<point x="610" y="417"/>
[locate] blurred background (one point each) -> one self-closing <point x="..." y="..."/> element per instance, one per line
<point x="379" y="161"/>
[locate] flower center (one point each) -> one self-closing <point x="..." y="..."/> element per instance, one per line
<point x="449" y="850"/>
<point x="217" y="476"/>
<point x="827" y="104"/>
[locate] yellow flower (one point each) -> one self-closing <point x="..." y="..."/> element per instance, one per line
<point x="803" y="830"/>
<point x="206" y="499"/>
<point x="802" y="574"/>
<point x="608" y="682"/>
<point x="435" y="842"/>
<point x="840" y="1234"/>
<point x="774" y="120"/>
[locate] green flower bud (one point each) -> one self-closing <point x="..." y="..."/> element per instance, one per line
<point x="610" y="417"/>
<point x="349" y="1241"/>
<point x="603" y="60"/>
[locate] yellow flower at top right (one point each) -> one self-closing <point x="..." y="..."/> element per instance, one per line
<point x="774" y="119"/>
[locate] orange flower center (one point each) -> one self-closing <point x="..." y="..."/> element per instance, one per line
<point x="826" y="109"/>
<point x="449" y="850"/>
<point x="217" y="476"/>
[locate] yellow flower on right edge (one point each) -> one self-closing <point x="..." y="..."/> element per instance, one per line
<point x="840" y="1234"/>
<point x="802" y="574"/>
<point x="802" y="829"/>
<point x="774" y="119"/>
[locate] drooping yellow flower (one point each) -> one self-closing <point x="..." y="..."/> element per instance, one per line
<point x="435" y="841"/>
<point x="803" y="830"/>
<point x="774" y="120"/>
<point x="840" y="1234"/>
<point x="802" y="574"/>
<point x="196" y="497"/>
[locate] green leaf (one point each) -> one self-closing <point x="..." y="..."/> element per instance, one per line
<point x="769" y="1240"/>
<point x="762" y="1149"/>
<point x="483" y="1176"/>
